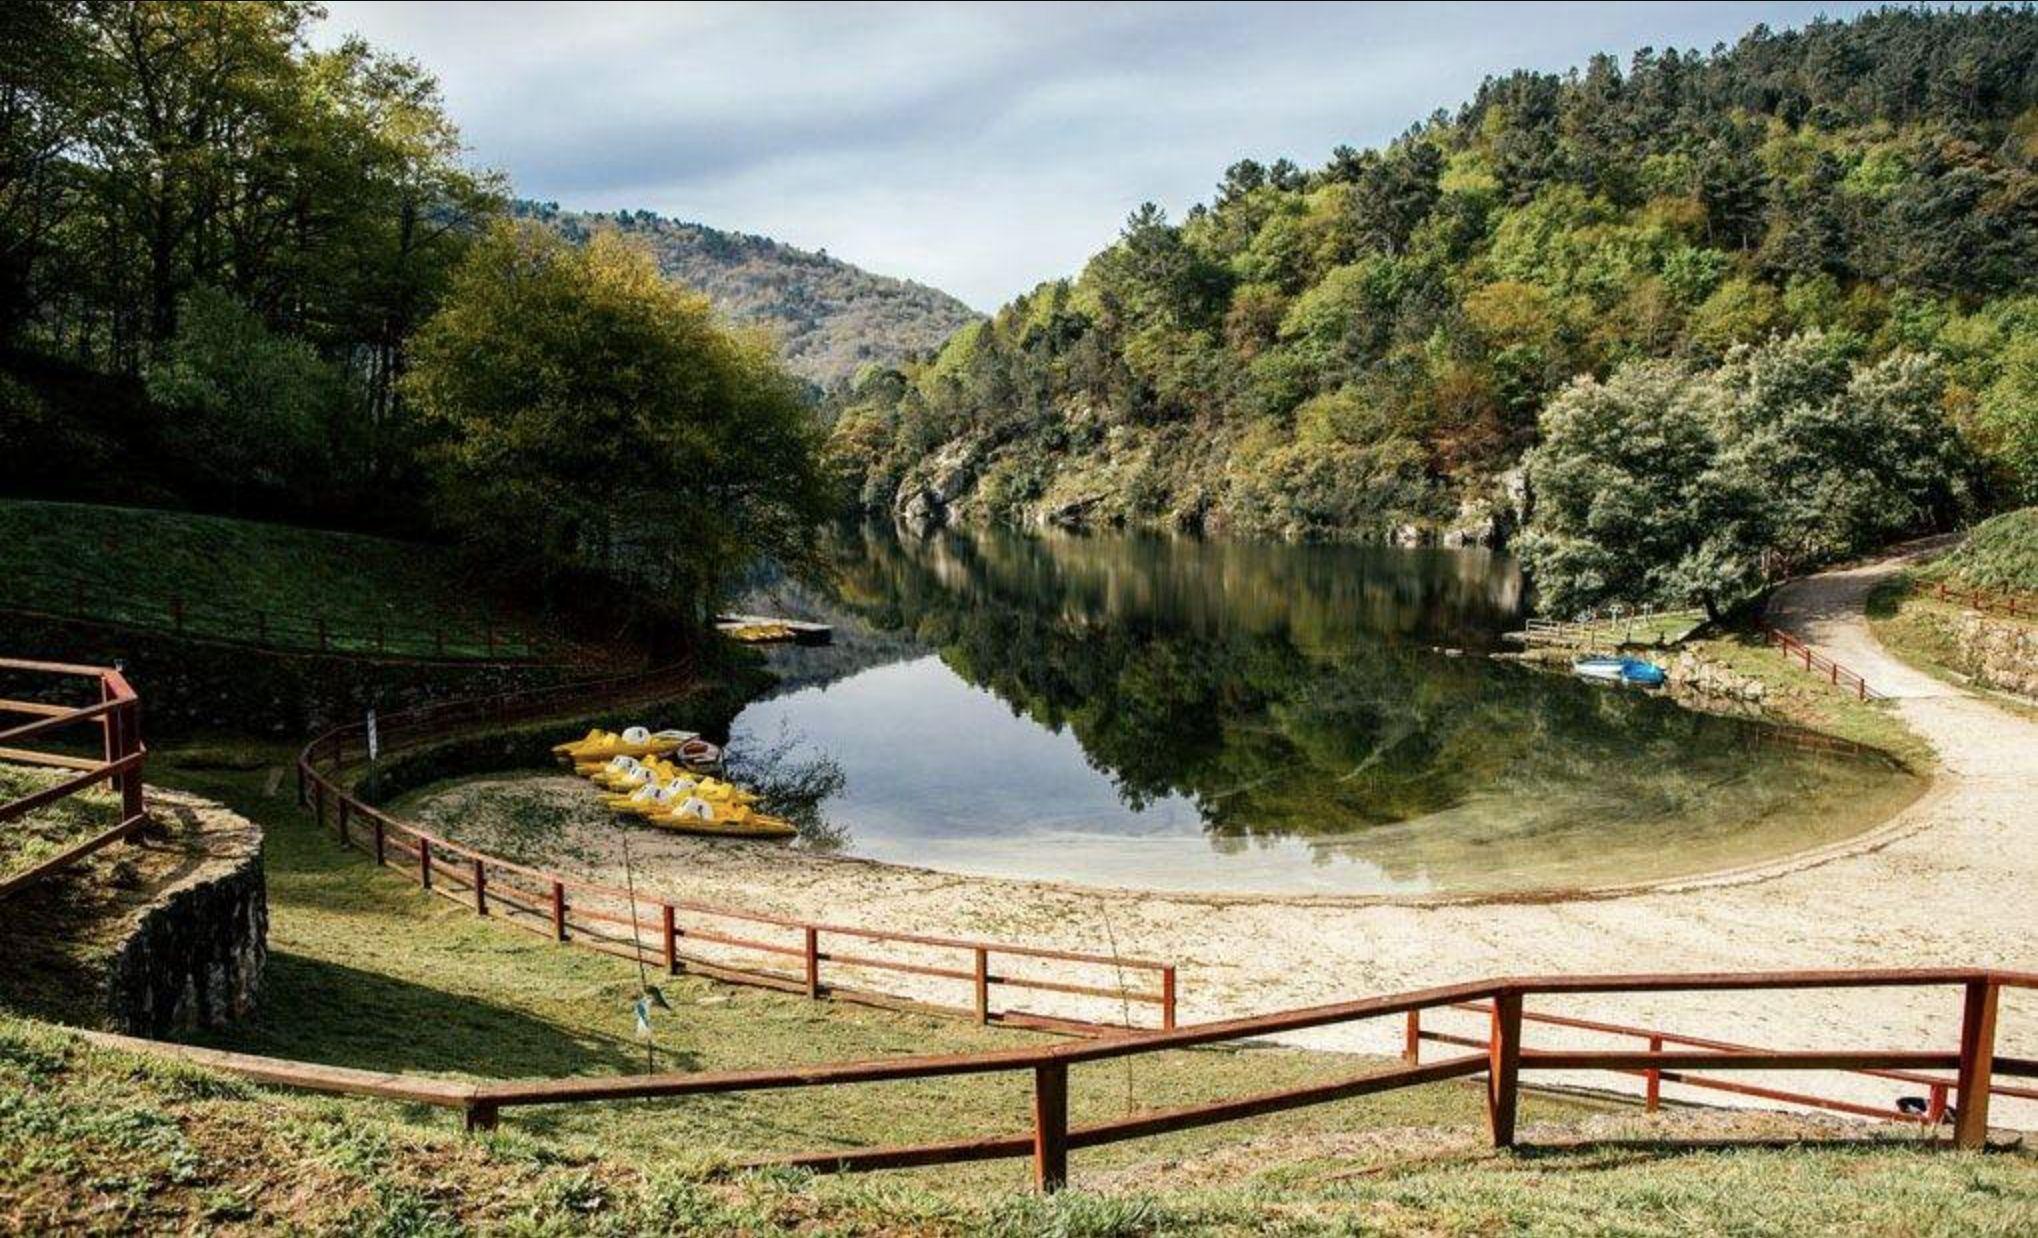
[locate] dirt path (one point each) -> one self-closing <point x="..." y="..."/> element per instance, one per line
<point x="1952" y="881"/>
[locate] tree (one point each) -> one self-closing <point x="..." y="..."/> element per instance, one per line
<point x="1845" y="457"/>
<point x="1630" y="502"/>
<point x="597" y="425"/>
<point x="249" y="405"/>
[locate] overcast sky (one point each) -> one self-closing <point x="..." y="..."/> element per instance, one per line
<point x="977" y="148"/>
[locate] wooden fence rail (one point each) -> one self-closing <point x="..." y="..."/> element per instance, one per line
<point x="1817" y="663"/>
<point x="72" y="596"/>
<point x="1502" y="1059"/>
<point x="787" y="953"/>
<point x="1983" y="599"/>
<point x="117" y="717"/>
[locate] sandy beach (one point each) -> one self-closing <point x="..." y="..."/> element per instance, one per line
<point x="1950" y="881"/>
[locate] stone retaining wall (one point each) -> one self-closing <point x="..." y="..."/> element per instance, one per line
<point x="194" y="954"/>
<point x="2000" y="653"/>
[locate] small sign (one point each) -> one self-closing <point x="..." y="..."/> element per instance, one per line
<point x="374" y="740"/>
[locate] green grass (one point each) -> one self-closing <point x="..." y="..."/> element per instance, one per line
<point x="238" y="579"/>
<point x="367" y="971"/>
<point x="1997" y="554"/>
<point x="1808" y="701"/>
<point x="358" y="953"/>
<point x="46" y="832"/>
<point x="100" y="1141"/>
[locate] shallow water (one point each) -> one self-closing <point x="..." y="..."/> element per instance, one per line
<point x="1194" y="716"/>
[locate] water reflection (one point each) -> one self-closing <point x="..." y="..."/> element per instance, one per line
<point x="1189" y="715"/>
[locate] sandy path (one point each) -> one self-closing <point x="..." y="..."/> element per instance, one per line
<point x="1952" y="881"/>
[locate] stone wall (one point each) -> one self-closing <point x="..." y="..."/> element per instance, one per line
<point x="1999" y="653"/>
<point x="193" y="955"/>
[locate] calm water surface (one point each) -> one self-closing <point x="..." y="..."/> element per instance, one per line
<point x="1184" y="715"/>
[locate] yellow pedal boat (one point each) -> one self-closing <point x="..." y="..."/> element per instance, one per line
<point x="739" y="821"/>
<point x="599" y="745"/>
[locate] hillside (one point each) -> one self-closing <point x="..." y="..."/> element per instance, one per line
<point x="1366" y="348"/>
<point x="832" y="318"/>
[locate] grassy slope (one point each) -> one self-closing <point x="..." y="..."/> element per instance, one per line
<point x="227" y="569"/>
<point x="1997" y="554"/>
<point x="367" y="971"/>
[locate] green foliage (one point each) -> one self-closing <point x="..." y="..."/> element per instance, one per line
<point x="186" y="178"/>
<point x="1871" y="177"/>
<point x="1630" y="501"/>
<point x="1669" y="485"/>
<point x="596" y="423"/>
<point x="248" y="405"/>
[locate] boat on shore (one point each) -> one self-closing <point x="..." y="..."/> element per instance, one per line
<point x="1640" y="672"/>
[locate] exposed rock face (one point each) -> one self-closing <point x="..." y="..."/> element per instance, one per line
<point x="194" y="956"/>
<point x="2001" y="653"/>
<point x="929" y="492"/>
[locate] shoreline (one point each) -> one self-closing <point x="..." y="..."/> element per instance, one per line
<point x="1946" y="881"/>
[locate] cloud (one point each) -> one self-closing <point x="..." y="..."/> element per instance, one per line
<point x="977" y="148"/>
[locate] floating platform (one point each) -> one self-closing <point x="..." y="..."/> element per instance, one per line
<point x="799" y="631"/>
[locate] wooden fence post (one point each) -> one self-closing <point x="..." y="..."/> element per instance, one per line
<point x="1050" y="1127"/>
<point x="380" y="843"/>
<point x="559" y="910"/>
<point x="480" y="1116"/>
<point x="1977" y="1063"/>
<point x="425" y="862"/>
<point x="668" y="930"/>
<point x="813" y="945"/>
<point x="340" y="830"/>
<point x="983" y="985"/>
<point x="1411" y="1039"/>
<point x="480" y="889"/>
<point x="1504" y="1068"/>
<point x="318" y="803"/>
<point x="1654" y="1076"/>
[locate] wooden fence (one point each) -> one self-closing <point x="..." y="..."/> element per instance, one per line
<point x="75" y="596"/>
<point x="117" y="716"/>
<point x="1982" y="599"/>
<point x="1501" y="1058"/>
<point x="1816" y="663"/>
<point x="787" y="953"/>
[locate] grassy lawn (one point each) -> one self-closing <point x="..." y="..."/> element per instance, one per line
<point x="94" y="1141"/>
<point x="367" y="971"/>
<point x="237" y="578"/>
<point x="48" y="830"/>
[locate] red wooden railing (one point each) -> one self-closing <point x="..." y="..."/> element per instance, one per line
<point x="787" y="953"/>
<point x="76" y="596"/>
<point x="117" y="716"/>
<point x="1982" y="599"/>
<point x="1502" y="1058"/>
<point x="1819" y="664"/>
<point x="1934" y="1111"/>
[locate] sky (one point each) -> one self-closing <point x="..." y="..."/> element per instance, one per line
<point x="978" y="148"/>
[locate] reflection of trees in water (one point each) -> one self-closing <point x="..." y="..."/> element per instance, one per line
<point x="1293" y="720"/>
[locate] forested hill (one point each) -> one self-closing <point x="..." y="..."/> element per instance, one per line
<point x="831" y="318"/>
<point x="1368" y="346"/>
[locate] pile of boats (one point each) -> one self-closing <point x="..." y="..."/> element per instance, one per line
<point x="664" y="779"/>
